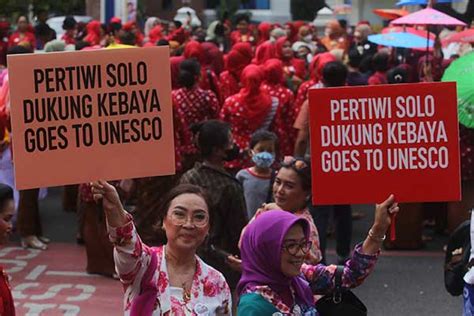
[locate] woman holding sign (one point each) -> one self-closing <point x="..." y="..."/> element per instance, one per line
<point x="278" y="283"/>
<point x="171" y="279"/>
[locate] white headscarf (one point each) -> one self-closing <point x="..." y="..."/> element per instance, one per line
<point x="150" y="23"/>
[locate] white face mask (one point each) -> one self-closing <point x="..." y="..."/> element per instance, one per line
<point x="308" y="38"/>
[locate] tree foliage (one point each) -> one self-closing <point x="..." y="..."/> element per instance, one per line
<point x="13" y="8"/>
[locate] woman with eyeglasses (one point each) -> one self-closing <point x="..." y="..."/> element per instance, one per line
<point x="292" y="192"/>
<point x="170" y="279"/>
<point x="279" y="283"/>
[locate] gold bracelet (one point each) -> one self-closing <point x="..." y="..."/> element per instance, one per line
<point x="376" y="238"/>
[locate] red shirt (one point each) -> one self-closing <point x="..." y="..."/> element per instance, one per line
<point x="7" y="308"/>
<point x="68" y="39"/>
<point x="17" y="38"/>
<point x="283" y="123"/>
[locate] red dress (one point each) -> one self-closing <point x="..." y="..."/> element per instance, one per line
<point x="7" y="308"/>
<point x="246" y="111"/>
<point x="283" y="123"/>
<point x="229" y="85"/>
<point x="195" y="105"/>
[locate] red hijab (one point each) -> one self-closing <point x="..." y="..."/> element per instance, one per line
<point x="245" y="49"/>
<point x="212" y="57"/>
<point x="175" y="61"/>
<point x="273" y="70"/>
<point x="238" y="58"/>
<point x="257" y="101"/>
<point x="317" y="65"/>
<point x="193" y="49"/>
<point x="279" y="48"/>
<point x="264" y="52"/>
<point x="155" y="34"/>
<point x="264" y="29"/>
<point x="93" y="33"/>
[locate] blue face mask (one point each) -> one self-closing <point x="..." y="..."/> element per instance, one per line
<point x="263" y="159"/>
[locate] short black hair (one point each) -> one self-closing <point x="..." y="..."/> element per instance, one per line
<point x="69" y="23"/>
<point x="6" y="194"/>
<point x="335" y="74"/>
<point x="260" y="136"/>
<point x="177" y="23"/>
<point x="189" y="69"/>
<point x="128" y="38"/>
<point x="380" y="61"/>
<point x="242" y="17"/>
<point x="162" y="42"/>
<point x="397" y="75"/>
<point x="211" y="134"/>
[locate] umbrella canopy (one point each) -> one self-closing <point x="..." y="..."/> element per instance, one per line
<point x="466" y="36"/>
<point x="461" y="71"/>
<point x="428" y="16"/>
<point x="422" y="2"/>
<point x="390" y="14"/>
<point x="411" y="30"/>
<point x="402" y="40"/>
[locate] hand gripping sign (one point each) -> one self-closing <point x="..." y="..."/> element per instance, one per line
<point x="83" y="116"/>
<point x="368" y="142"/>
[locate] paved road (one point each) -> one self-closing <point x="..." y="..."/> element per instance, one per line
<point x="53" y="282"/>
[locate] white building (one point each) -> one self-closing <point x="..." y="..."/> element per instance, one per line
<point x="279" y="11"/>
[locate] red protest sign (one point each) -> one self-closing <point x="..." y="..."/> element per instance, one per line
<point x="368" y="142"/>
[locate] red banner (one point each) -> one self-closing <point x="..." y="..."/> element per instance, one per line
<point x="368" y="142"/>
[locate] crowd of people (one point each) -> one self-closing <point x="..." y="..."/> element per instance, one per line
<point x="203" y="241"/>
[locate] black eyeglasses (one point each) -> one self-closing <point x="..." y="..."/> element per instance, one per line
<point x="293" y="247"/>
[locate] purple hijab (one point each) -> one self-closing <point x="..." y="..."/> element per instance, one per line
<point x="261" y="256"/>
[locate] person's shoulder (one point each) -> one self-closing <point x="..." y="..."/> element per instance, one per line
<point x="212" y="274"/>
<point x="242" y="174"/>
<point x="251" y="304"/>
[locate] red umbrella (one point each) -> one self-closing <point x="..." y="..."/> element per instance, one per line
<point x="390" y="14"/>
<point x="466" y="36"/>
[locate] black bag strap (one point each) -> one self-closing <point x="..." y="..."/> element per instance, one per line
<point x="270" y="189"/>
<point x="337" y="297"/>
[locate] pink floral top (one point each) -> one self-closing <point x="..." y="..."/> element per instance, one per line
<point x="210" y="294"/>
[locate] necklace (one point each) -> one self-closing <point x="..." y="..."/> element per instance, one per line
<point x="186" y="294"/>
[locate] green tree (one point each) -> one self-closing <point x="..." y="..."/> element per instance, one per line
<point x="13" y="8"/>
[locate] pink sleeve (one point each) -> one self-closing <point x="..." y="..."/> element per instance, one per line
<point x="130" y="254"/>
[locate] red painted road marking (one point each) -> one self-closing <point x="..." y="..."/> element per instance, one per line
<point x="54" y="282"/>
